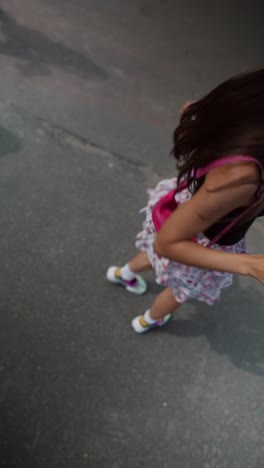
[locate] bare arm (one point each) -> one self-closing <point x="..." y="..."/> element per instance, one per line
<point x="206" y="207"/>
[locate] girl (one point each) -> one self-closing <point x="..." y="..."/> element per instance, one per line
<point x="219" y="149"/>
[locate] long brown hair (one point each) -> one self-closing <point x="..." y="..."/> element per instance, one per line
<point x="229" y="120"/>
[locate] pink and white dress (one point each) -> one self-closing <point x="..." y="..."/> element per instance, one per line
<point x="187" y="282"/>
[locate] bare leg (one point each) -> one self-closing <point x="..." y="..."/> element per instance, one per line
<point x="140" y="263"/>
<point x="164" y="304"/>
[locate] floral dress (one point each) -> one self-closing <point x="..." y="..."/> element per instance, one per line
<point x="187" y="282"/>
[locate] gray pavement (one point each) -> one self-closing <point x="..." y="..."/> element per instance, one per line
<point x="90" y="92"/>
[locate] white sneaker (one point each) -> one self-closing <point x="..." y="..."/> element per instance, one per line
<point x="141" y="326"/>
<point x="137" y="285"/>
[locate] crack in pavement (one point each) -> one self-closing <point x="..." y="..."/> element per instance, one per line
<point x="69" y="138"/>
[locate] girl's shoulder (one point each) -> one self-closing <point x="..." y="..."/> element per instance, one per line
<point x="241" y="173"/>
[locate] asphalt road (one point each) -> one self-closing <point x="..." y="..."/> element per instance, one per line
<point x="90" y="93"/>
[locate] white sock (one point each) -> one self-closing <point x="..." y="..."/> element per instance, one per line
<point x="126" y="273"/>
<point x="148" y="318"/>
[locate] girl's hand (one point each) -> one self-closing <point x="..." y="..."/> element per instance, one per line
<point x="256" y="267"/>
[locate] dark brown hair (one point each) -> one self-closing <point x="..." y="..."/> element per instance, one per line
<point x="229" y="120"/>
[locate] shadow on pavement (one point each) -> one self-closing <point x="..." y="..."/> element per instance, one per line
<point x="15" y="447"/>
<point x="40" y="53"/>
<point x="233" y="327"/>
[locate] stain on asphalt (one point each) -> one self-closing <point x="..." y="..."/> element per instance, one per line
<point x="9" y="142"/>
<point x="39" y="53"/>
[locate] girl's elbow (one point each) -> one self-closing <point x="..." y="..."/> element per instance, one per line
<point x="166" y="249"/>
<point x="159" y="248"/>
